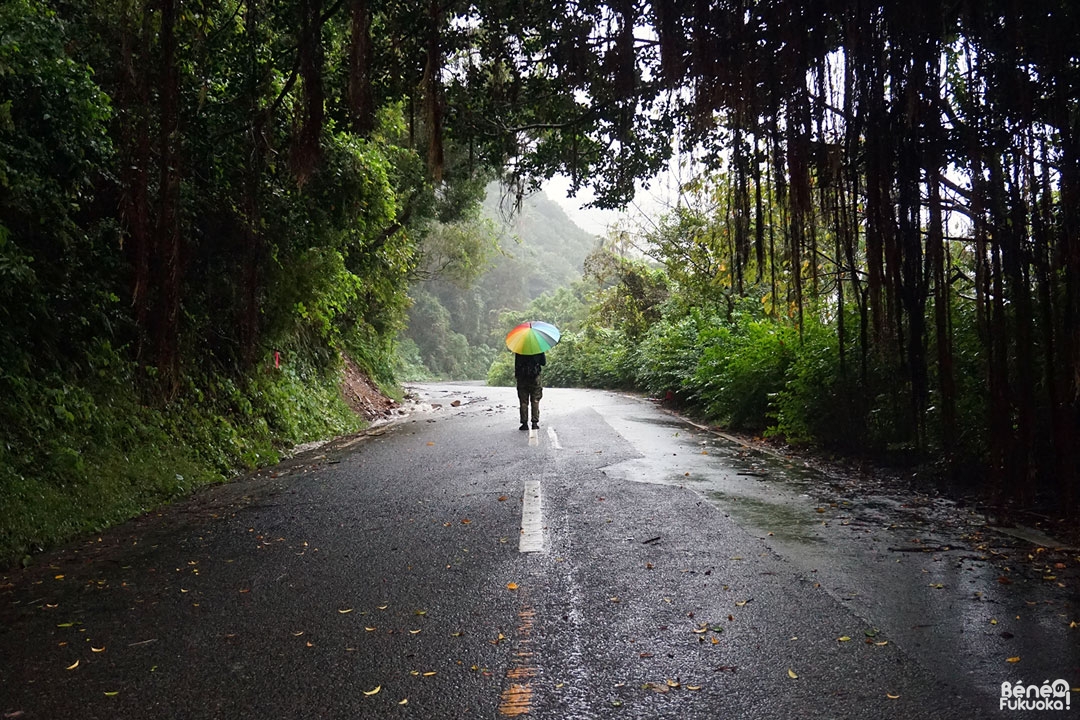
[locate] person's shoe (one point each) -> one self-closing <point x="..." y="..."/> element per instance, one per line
<point x="536" y="426"/>
<point x="523" y="427"/>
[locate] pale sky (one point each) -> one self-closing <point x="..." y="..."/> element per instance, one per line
<point x="591" y="220"/>
<point x="648" y="204"/>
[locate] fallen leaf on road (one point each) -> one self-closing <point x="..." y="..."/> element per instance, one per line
<point x="310" y="644"/>
<point x="672" y="683"/>
<point x="503" y="498"/>
<point x="843" y="638"/>
<point x="429" y="673"/>
<point x="403" y="701"/>
<point x="1013" y="659"/>
<point x="94" y="649"/>
<point x="370" y="629"/>
<point x="298" y="633"/>
<point x="344" y="610"/>
<point x="614" y="599"/>
<point x="372" y="692"/>
<point x="112" y="693"/>
<point x="430" y="444"/>
<point x="382" y="607"/>
<point x="791" y="674"/>
<point x="72" y="666"/>
<point x="465" y="521"/>
<point x="511" y="586"/>
<point x="1004" y="580"/>
<point x="740" y="603"/>
<point x="693" y="687"/>
<point x="892" y="697"/>
<point x="883" y="643"/>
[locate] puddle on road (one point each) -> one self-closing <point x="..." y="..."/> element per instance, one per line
<point x="782" y="521"/>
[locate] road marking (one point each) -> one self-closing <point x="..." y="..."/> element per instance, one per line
<point x="534" y="438"/>
<point x="517" y="698"/>
<point x="532" y="527"/>
<point x="554" y="438"/>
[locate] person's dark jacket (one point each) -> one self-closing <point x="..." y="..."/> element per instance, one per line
<point x="527" y="367"/>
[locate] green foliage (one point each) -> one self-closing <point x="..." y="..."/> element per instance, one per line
<point x="595" y="357"/>
<point x="742" y="369"/>
<point x="408" y="364"/>
<point x="56" y="292"/>
<point x="85" y="457"/>
<point x="670" y="353"/>
<point x="501" y="371"/>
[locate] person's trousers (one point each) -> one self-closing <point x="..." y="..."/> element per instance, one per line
<point x="529" y="394"/>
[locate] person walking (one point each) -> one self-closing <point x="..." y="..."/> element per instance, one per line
<point x="529" y="389"/>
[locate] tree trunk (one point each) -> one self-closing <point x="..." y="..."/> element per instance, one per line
<point x="168" y="227"/>
<point x="433" y="91"/>
<point x="361" y="58"/>
<point x="307" y="146"/>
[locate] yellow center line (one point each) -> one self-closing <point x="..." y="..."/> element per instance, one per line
<point x="516" y="699"/>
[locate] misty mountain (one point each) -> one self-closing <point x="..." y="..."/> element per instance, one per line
<point x="547" y="245"/>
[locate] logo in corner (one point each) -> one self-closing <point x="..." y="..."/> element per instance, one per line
<point x="1054" y="695"/>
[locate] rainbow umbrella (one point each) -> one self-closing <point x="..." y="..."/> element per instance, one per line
<point x="532" y="338"/>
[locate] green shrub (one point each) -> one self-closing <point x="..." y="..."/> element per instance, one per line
<point x="741" y="369"/>
<point x="669" y="356"/>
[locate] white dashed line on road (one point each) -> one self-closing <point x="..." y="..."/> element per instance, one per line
<point x="554" y="438"/>
<point x="532" y="522"/>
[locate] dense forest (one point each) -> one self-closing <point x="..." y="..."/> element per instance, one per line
<point x="194" y="190"/>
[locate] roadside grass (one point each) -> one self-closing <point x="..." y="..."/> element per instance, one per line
<point x="80" y="469"/>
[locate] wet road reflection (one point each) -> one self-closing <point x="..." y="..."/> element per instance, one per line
<point x="922" y="571"/>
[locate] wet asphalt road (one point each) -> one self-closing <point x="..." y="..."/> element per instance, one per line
<point x="678" y="576"/>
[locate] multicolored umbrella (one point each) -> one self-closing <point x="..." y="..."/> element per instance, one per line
<point x="532" y="338"/>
